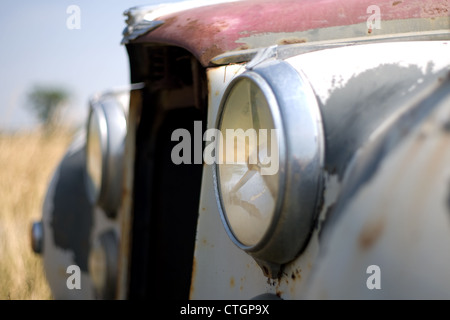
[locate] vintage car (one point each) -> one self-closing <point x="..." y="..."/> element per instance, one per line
<point x="262" y="150"/>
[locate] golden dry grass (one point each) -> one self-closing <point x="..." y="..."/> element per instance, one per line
<point x="27" y="162"/>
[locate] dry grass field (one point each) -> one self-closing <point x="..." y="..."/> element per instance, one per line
<point x="27" y="162"/>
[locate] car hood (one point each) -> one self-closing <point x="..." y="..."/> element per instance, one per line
<point x="211" y="30"/>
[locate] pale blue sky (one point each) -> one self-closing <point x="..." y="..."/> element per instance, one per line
<point x="38" y="48"/>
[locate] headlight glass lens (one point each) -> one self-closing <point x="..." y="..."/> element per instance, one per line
<point x="96" y="132"/>
<point x="268" y="192"/>
<point x="248" y="194"/>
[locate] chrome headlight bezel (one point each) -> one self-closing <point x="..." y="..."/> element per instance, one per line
<point x="296" y="114"/>
<point x="262" y="85"/>
<point x="111" y="127"/>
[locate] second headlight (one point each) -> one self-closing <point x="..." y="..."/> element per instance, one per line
<point x="104" y="150"/>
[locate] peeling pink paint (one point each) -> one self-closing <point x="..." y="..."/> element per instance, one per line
<point x="212" y="30"/>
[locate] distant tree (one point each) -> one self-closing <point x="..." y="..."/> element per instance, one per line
<point x="46" y="103"/>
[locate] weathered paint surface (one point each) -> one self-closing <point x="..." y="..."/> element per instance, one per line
<point x="221" y="269"/>
<point x="66" y="245"/>
<point x="71" y="216"/>
<point x="213" y="270"/>
<point x="398" y="216"/>
<point x="360" y="87"/>
<point x="224" y="271"/>
<point x="71" y="224"/>
<point x="212" y="30"/>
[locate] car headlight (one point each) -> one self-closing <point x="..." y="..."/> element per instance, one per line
<point x="95" y="149"/>
<point x="248" y="194"/>
<point x="268" y="170"/>
<point x="104" y="152"/>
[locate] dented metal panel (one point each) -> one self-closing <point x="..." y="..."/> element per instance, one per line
<point x="212" y="30"/>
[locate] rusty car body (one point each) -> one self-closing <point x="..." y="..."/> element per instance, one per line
<point x="360" y="90"/>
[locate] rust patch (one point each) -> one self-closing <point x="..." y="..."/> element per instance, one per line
<point x="194" y="267"/>
<point x="211" y="52"/>
<point x="168" y="22"/>
<point x="125" y="193"/>
<point x="242" y="47"/>
<point x="205" y="243"/>
<point x="291" y="41"/>
<point x="434" y="11"/>
<point x="296" y="274"/>
<point x="396" y="3"/>
<point x="370" y="233"/>
<point x="277" y="284"/>
<point x="242" y="284"/>
<point x="232" y="282"/>
<point x="265" y="271"/>
<point x="270" y="283"/>
<point x="192" y="24"/>
<point x="195" y="29"/>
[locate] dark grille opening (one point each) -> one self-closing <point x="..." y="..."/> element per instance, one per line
<point x="166" y="195"/>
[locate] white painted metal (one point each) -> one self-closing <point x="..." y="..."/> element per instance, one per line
<point x="221" y="270"/>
